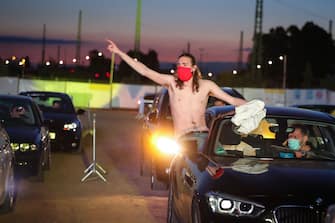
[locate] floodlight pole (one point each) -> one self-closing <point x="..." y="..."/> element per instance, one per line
<point x="94" y="167"/>
<point x="111" y="80"/>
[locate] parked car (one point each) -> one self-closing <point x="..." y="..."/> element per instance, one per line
<point x="158" y="145"/>
<point x="59" y="113"/>
<point x="318" y="107"/>
<point x="7" y="178"/>
<point x="28" y="134"/>
<point x="253" y="177"/>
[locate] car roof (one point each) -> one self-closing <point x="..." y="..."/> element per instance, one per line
<point x="46" y="93"/>
<point x="16" y="97"/>
<point x="290" y="112"/>
<point x="233" y="92"/>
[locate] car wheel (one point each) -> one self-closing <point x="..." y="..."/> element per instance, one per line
<point x="79" y="149"/>
<point x="171" y="215"/>
<point x="47" y="165"/>
<point x="196" y="217"/>
<point x="145" y="159"/>
<point x="10" y="195"/>
<point x="156" y="184"/>
<point x="39" y="171"/>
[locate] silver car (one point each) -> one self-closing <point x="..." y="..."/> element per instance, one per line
<point x="7" y="179"/>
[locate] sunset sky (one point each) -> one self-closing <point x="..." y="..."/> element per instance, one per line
<point x="167" y="26"/>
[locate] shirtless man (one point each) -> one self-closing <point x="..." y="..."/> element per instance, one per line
<point x="188" y="92"/>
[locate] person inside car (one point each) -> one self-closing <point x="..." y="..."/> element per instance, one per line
<point x="56" y="104"/>
<point x="297" y="141"/>
<point x="188" y="93"/>
<point x="17" y="111"/>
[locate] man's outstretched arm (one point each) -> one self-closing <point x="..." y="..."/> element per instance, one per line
<point x="162" y="79"/>
<point x="217" y="92"/>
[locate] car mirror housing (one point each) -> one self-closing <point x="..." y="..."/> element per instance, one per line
<point x="152" y="116"/>
<point x="189" y="146"/>
<point x="80" y="111"/>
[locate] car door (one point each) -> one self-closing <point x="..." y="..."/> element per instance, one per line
<point x="45" y="138"/>
<point x="4" y="141"/>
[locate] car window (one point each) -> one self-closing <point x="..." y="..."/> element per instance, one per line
<point x="15" y="112"/>
<point x="53" y="104"/>
<point x="269" y="140"/>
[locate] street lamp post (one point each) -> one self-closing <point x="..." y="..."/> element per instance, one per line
<point x="111" y="80"/>
<point x="284" y="59"/>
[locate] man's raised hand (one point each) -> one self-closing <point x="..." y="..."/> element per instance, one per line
<point x="112" y="46"/>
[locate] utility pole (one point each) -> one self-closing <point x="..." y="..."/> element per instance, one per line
<point x="78" y="44"/>
<point x="188" y="50"/>
<point x="138" y="28"/>
<point x="257" y="57"/>
<point x="43" y="44"/>
<point x="330" y="29"/>
<point x="58" y="53"/>
<point x="240" y="54"/>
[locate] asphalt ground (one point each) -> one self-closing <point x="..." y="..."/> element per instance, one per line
<point x="125" y="197"/>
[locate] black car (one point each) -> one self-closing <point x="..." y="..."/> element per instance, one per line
<point x="158" y="145"/>
<point x="59" y="113"/>
<point x="29" y="136"/>
<point x="254" y="178"/>
<point x="318" y="107"/>
<point x="7" y="179"/>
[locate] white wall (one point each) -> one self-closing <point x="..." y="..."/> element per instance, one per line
<point x="96" y="95"/>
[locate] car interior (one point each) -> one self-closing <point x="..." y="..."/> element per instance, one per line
<point x="267" y="140"/>
<point x="15" y="113"/>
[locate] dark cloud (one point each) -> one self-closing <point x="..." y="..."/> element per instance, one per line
<point x="32" y="40"/>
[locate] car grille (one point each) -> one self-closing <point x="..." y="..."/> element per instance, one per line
<point x="297" y="214"/>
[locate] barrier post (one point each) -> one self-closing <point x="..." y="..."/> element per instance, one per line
<point x="94" y="167"/>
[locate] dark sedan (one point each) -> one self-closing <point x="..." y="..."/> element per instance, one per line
<point x="318" y="107"/>
<point x="62" y="118"/>
<point x="29" y="136"/>
<point x="254" y="177"/>
<point x="7" y="179"/>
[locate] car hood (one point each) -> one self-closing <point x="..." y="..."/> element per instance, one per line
<point x="275" y="181"/>
<point x="23" y="134"/>
<point x="60" y="117"/>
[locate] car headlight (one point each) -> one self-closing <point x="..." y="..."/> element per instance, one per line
<point x="166" y="145"/>
<point x="70" y="126"/>
<point x="23" y="147"/>
<point x="223" y="204"/>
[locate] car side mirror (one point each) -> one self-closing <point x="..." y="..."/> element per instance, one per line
<point x="47" y="122"/>
<point x="189" y="146"/>
<point x="152" y="116"/>
<point x="80" y="111"/>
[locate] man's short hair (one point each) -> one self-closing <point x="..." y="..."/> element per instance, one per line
<point x="303" y="128"/>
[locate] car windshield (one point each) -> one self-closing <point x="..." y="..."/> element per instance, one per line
<point x="278" y="138"/>
<point x="53" y="104"/>
<point x="15" y="112"/>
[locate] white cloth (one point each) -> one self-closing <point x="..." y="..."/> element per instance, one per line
<point x="248" y="116"/>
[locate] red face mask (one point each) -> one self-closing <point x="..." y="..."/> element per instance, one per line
<point x="184" y="73"/>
